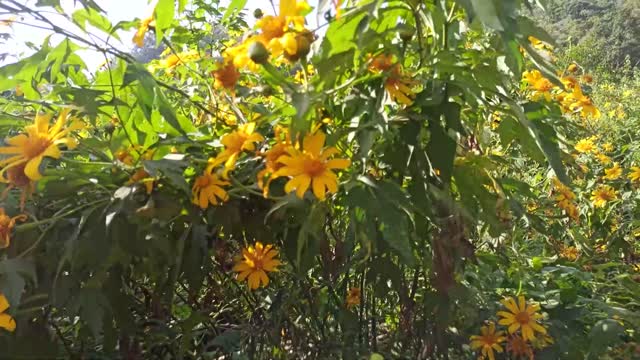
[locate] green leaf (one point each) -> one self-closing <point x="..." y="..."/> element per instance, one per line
<point x="13" y="273"/>
<point x="99" y="21"/>
<point x="168" y="112"/>
<point x="164" y="13"/>
<point x="605" y="333"/>
<point x="486" y="12"/>
<point x="234" y="7"/>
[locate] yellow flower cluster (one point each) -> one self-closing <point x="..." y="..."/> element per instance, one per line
<point x="397" y="83"/>
<point x="570" y="253"/>
<point x="521" y="321"/>
<point x="308" y="165"/>
<point x="565" y="199"/>
<point x="282" y="34"/>
<point x="570" y="97"/>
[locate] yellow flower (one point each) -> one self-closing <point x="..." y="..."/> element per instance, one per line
<point x="519" y="348"/>
<point x="397" y="85"/>
<point x="540" y="85"/>
<point x="635" y="174"/>
<point x="16" y="178"/>
<point x="173" y="60"/>
<point x="235" y="142"/>
<point x="271" y="156"/>
<point x="489" y="341"/>
<point x="6" y="227"/>
<point x="538" y="44"/>
<point x="583" y="104"/>
<point x="353" y="297"/>
<point x="6" y="321"/>
<point x="311" y="166"/>
<point x="523" y="317"/>
<point x="570" y="253"/>
<point x="585" y="145"/>
<point x="604" y="159"/>
<point x="613" y="172"/>
<point x="256" y="262"/>
<point x="145" y="24"/>
<point x="226" y="76"/>
<point x="572" y="68"/>
<point x="39" y="141"/>
<point x="602" y="195"/>
<point x="207" y="189"/>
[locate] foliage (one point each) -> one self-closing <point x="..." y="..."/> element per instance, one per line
<point x="435" y="188"/>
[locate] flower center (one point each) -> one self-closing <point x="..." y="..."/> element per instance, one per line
<point x="523" y="317"/>
<point x="202" y="181"/>
<point x="36" y="146"/>
<point x="543" y="85"/>
<point x="314" y="167"/>
<point x="237" y="141"/>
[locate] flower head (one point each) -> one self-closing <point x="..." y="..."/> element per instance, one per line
<point x="583" y="104"/>
<point x="488" y="341"/>
<point x="145" y="24"/>
<point x="208" y="189"/>
<point x="521" y="316"/>
<point x="570" y="253"/>
<point x="235" y="142"/>
<point x="353" y="297"/>
<point x="6" y="321"/>
<point x="311" y="166"/>
<point x="39" y="141"/>
<point x="585" y="145"/>
<point x="226" y="76"/>
<point x="608" y="147"/>
<point x="6" y="227"/>
<point x="256" y="262"/>
<point x="271" y="156"/>
<point x="603" y="194"/>
<point x="604" y="159"/>
<point x="538" y="84"/>
<point x="397" y="85"/>
<point x="143" y="177"/>
<point x="613" y="172"/>
<point x="634" y="175"/>
<point x="170" y="62"/>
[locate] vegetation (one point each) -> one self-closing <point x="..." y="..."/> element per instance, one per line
<point x="448" y="187"/>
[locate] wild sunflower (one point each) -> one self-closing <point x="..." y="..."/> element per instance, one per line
<point x="6" y="321"/>
<point x="226" y="76"/>
<point x="583" y="104"/>
<point x="397" y="85"/>
<point x="613" y="173"/>
<point x="208" y="189"/>
<point x="39" y="141"/>
<point x="353" y="297"/>
<point x="271" y="156"/>
<point x="603" y="194"/>
<point x="7" y="224"/>
<point x="489" y="341"/>
<point x="235" y="142"/>
<point x="635" y="174"/>
<point x="585" y="145"/>
<point x="608" y="147"/>
<point x="604" y="159"/>
<point x="256" y="262"/>
<point x="521" y="316"/>
<point x="539" y="85"/>
<point x="311" y="167"/>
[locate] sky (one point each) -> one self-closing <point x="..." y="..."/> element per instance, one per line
<point x="116" y="10"/>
